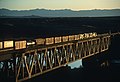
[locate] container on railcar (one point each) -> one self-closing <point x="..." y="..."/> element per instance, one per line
<point x="90" y="35"/>
<point x="58" y="39"/>
<point x="71" y="37"/>
<point x="40" y="41"/>
<point x="8" y="44"/>
<point x="86" y="35"/>
<point x="94" y="34"/>
<point x="77" y="37"/>
<point x="81" y="36"/>
<point x="1" y="45"/>
<point x="65" y="38"/>
<point x="49" y="40"/>
<point x="20" y="44"/>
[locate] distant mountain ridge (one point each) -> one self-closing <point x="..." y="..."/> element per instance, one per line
<point x="59" y="13"/>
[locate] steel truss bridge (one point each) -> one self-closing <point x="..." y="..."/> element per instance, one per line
<point x="25" y="64"/>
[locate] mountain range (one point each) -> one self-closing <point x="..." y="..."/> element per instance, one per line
<point x="59" y="13"/>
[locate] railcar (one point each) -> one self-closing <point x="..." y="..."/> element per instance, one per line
<point x="94" y="34"/>
<point x="77" y="37"/>
<point x="1" y="45"/>
<point x="71" y="37"/>
<point x="20" y="44"/>
<point x="57" y="39"/>
<point x="40" y="41"/>
<point x="65" y="38"/>
<point x="49" y="41"/>
<point x="7" y="45"/>
<point x="12" y="45"/>
<point x="86" y="35"/>
<point x="81" y="36"/>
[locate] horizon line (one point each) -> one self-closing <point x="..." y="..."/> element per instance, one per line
<point x="61" y="9"/>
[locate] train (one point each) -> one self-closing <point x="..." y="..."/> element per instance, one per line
<point x="55" y="40"/>
<point x="6" y="45"/>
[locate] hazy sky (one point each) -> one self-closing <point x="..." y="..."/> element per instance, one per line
<point x="60" y="4"/>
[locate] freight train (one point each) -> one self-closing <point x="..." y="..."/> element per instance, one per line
<point x="22" y="44"/>
<point x="54" y="40"/>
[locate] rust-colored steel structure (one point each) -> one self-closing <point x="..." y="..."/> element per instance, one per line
<point x="27" y="63"/>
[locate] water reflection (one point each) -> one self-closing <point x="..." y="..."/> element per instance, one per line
<point x="76" y="64"/>
<point x="106" y="63"/>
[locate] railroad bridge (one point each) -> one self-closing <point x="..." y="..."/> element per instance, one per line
<point x="20" y="60"/>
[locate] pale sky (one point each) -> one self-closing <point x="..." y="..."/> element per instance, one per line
<point x="59" y="4"/>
